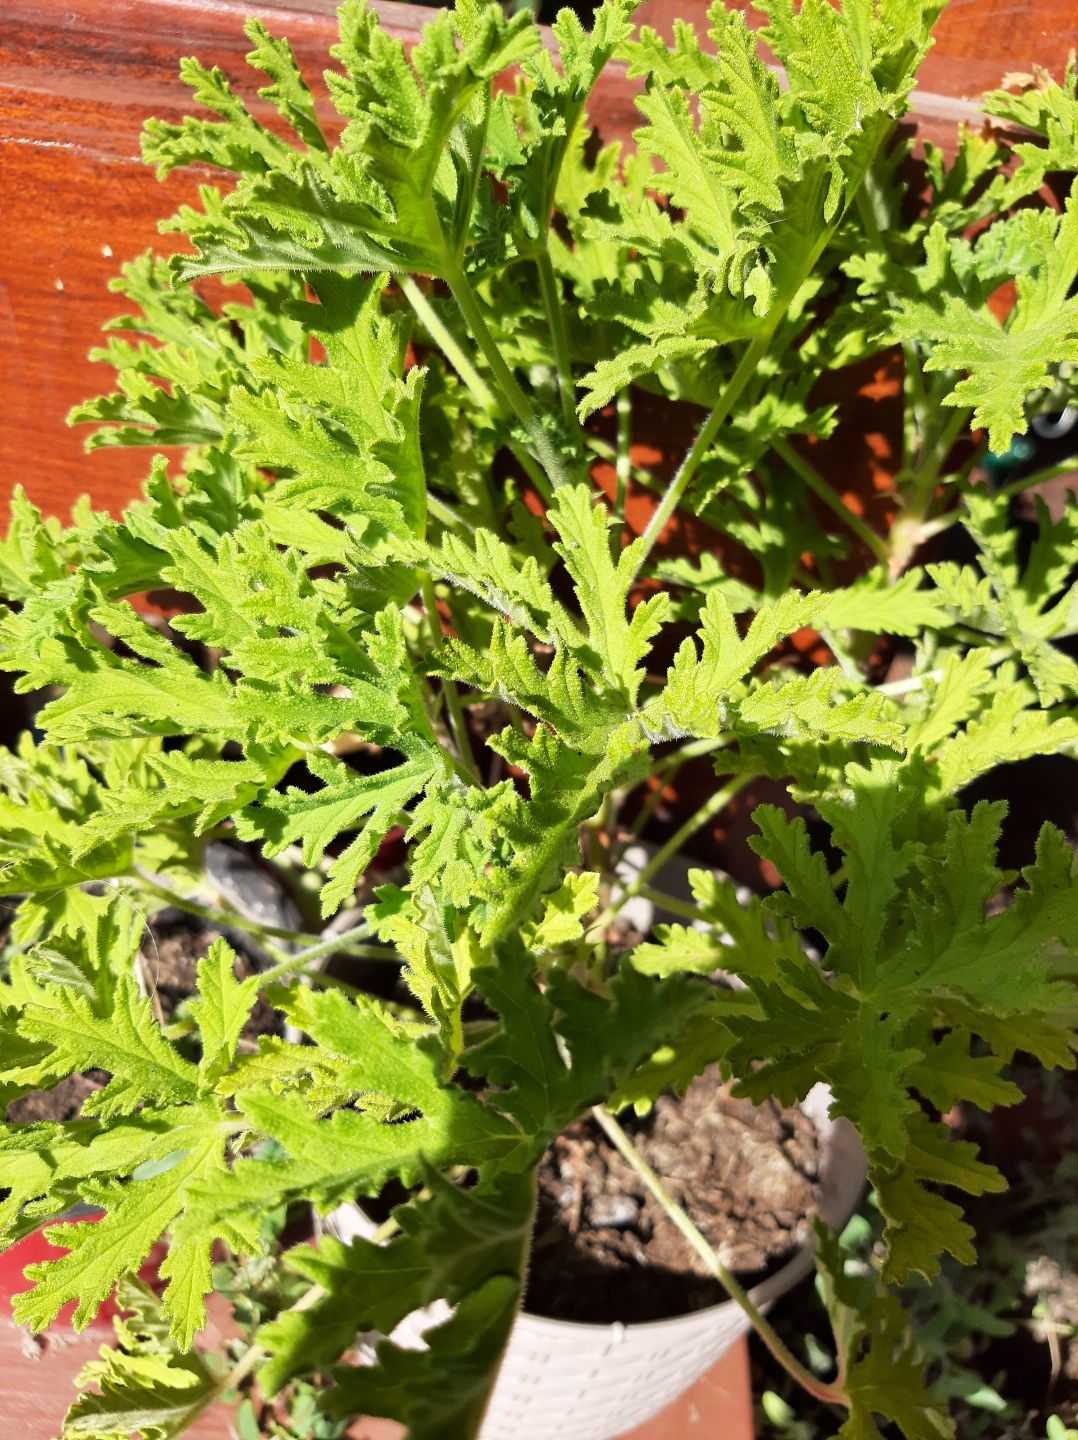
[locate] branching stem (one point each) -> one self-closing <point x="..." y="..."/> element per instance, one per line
<point x="446" y="341"/>
<point x="518" y="402"/>
<point x="227" y="919"/>
<point x="289" y="964"/>
<point x="559" y="337"/>
<point x="707" y="811"/>
<point x="457" y="722"/>
<point x="830" y="497"/>
<point x="675" y="491"/>
<point x="622" y="462"/>
<point x="828" y="1394"/>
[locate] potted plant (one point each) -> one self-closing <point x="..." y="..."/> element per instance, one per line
<point x="396" y="600"/>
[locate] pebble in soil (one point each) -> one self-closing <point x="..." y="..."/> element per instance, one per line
<point x="605" y="1251"/>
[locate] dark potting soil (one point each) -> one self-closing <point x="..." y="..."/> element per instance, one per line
<point x="605" y="1251"/>
<point x="171" y="952"/>
<point x="63" y="1102"/>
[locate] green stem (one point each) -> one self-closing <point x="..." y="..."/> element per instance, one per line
<point x="692" y="750"/>
<point x="959" y="477"/>
<point x="711" y="807"/>
<point x="231" y="919"/>
<point x="447" y="515"/>
<point x="828" y="1394"/>
<point x="668" y="767"/>
<point x="745" y="370"/>
<point x="702" y="444"/>
<point x="930" y="462"/>
<point x="1065" y="467"/>
<point x="834" y="502"/>
<point x="913" y="385"/>
<point x="289" y="964"/>
<point x="662" y="901"/>
<point x="606" y="451"/>
<point x="255" y="1354"/>
<point x="452" y="699"/>
<point x="707" y="811"/>
<point x="518" y="402"/>
<point x="440" y="333"/>
<point x="533" y="472"/>
<point x="622" y="463"/>
<point x="555" y="317"/>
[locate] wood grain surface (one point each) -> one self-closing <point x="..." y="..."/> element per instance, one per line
<point x="77" y="78"/>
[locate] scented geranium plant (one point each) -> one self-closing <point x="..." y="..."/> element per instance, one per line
<point x="371" y="495"/>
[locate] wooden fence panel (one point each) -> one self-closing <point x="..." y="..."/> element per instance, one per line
<point x="77" y="77"/>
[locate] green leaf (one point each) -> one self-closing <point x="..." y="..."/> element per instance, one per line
<point x="698" y="684"/>
<point x="315" y="819"/>
<point x="142" y="1383"/>
<point x="136" y="1214"/>
<point x="127" y="1042"/>
<point x="882" y="1367"/>
<point x="1007" y="362"/>
<point x="449" y="1244"/>
<point x="602" y="588"/>
<point x="911" y="953"/>
<point x="223" y="1007"/>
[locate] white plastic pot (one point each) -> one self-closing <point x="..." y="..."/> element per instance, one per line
<point x="563" y="1381"/>
<point x="593" y="1382"/>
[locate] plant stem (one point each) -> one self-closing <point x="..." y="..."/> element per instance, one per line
<point x="446" y="514"/>
<point x="662" y="901"/>
<point x="956" y="422"/>
<point x="707" y="811"/>
<point x="255" y="1353"/>
<point x="622" y="464"/>
<point x="452" y="699"/>
<point x="692" y="750"/>
<point x="440" y="333"/>
<point x="555" y="317"/>
<point x="929" y="463"/>
<point x="824" y="491"/>
<point x="1005" y="492"/>
<point x="668" y="767"/>
<point x="228" y="918"/>
<point x="687" y="469"/>
<point x="828" y="1394"/>
<point x="533" y="472"/>
<point x="345" y="941"/>
<point x="518" y="402"/>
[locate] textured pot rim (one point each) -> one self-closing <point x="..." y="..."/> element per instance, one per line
<point x="764" y="1294"/>
<point x="844" y="1160"/>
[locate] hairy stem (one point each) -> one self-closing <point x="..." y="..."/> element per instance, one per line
<point x="707" y="811"/>
<point x="440" y="333"/>
<point x="255" y="1354"/>
<point x="667" y="767"/>
<point x="828" y="1394"/>
<point x="662" y="901"/>
<point x="555" y="318"/>
<point x="675" y="491"/>
<point x="229" y="919"/>
<point x="289" y="964"/>
<point x="834" y="502"/>
<point x="930" y="462"/>
<point x="533" y="472"/>
<point x="518" y="402"/>
<point x="622" y="463"/>
<point x="452" y="699"/>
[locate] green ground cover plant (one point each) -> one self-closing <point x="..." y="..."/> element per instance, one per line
<point x="371" y="491"/>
